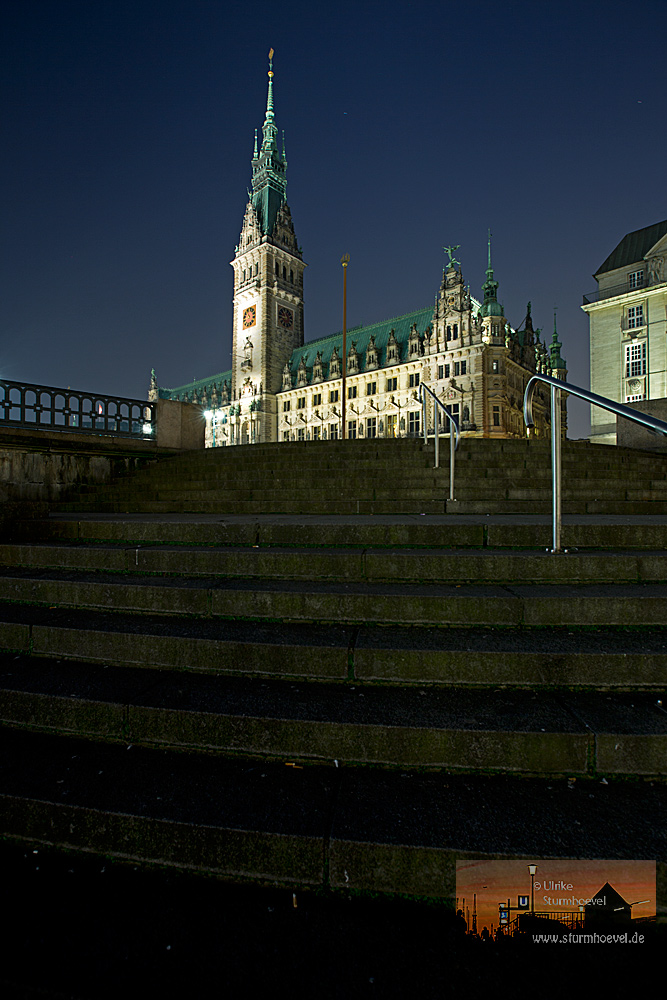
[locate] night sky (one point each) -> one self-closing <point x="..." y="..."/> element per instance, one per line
<point x="128" y="133"/>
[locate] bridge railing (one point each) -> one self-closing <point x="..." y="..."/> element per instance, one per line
<point x="55" y="409"/>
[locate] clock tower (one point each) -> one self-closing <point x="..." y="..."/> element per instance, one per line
<point x="268" y="289"/>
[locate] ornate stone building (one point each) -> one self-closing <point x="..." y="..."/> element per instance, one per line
<point x="280" y="389"/>
<point x="628" y="326"/>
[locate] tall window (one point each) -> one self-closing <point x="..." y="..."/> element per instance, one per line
<point x="352" y="429"/>
<point x="636" y="279"/>
<point x="413" y="423"/>
<point x="301" y="403"/>
<point x="392" y="384"/>
<point x="371" y="388"/>
<point x="286" y="405"/>
<point x="414" y="380"/>
<point x="635" y="316"/>
<point x="352" y="392"/>
<point x="317" y="399"/>
<point x="333" y="396"/>
<point x="371" y="427"/>
<point x="496" y="416"/>
<point x="316" y="433"/>
<point x="333" y="432"/>
<point x="635" y="360"/>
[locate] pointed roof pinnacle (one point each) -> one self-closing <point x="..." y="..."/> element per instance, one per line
<point x="490" y="306"/>
<point x="554" y="350"/>
<point x="269" y="96"/>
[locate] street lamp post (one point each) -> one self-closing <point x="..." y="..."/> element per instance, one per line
<point x="345" y="260"/>
<point x="532" y="869"/>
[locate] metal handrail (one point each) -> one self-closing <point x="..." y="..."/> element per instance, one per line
<point x="452" y="446"/>
<point x="653" y="425"/>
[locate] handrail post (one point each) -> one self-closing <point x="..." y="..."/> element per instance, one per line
<point x="556" y="466"/>
<point x="436" y="415"/>
<point x="423" y="398"/>
<point x="452" y="448"/>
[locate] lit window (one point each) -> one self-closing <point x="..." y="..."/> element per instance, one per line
<point x="495" y="367"/>
<point x="635" y="360"/>
<point x="635" y="316"/>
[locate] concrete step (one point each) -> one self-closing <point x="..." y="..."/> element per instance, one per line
<point x="451" y="530"/>
<point x="443" y="565"/>
<point x="512" y="605"/>
<point x="527" y="732"/>
<point x="549" y="657"/>
<point x="360" y="829"/>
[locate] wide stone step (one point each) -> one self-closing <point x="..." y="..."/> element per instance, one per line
<point x="296" y="600"/>
<point x="359" y="829"/>
<point x="374" y="564"/>
<point x="548" y="657"/>
<point x="453" y="530"/>
<point x="513" y="731"/>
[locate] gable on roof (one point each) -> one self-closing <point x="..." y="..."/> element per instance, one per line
<point x="361" y="335"/>
<point x="633" y="247"/>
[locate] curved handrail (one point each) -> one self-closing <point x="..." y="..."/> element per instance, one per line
<point x="653" y="425"/>
<point x="453" y="443"/>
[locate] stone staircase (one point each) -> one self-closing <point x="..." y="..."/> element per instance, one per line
<point x="281" y="690"/>
<point x="388" y="477"/>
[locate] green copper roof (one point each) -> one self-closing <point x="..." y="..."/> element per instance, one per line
<point x="202" y="386"/>
<point x="269" y="168"/>
<point x="633" y="247"/>
<point x="361" y="335"/>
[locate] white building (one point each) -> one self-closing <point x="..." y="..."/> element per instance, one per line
<point x="628" y="325"/>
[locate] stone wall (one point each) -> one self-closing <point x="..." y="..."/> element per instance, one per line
<point x="41" y="466"/>
<point x="631" y="435"/>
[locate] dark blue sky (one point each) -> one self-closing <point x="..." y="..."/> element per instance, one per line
<point x="128" y="131"/>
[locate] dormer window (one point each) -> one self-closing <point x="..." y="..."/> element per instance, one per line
<point x="636" y="279"/>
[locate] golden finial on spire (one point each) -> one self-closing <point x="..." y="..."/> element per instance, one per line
<point x="270" y="62"/>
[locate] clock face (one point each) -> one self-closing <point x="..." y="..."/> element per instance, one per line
<point x="285" y="317"/>
<point x="249" y="317"/>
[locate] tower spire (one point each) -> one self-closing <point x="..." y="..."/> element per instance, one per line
<point x="490" y="306"/>
<point x="269" y="168"/>
<point x="554" y="350"/>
